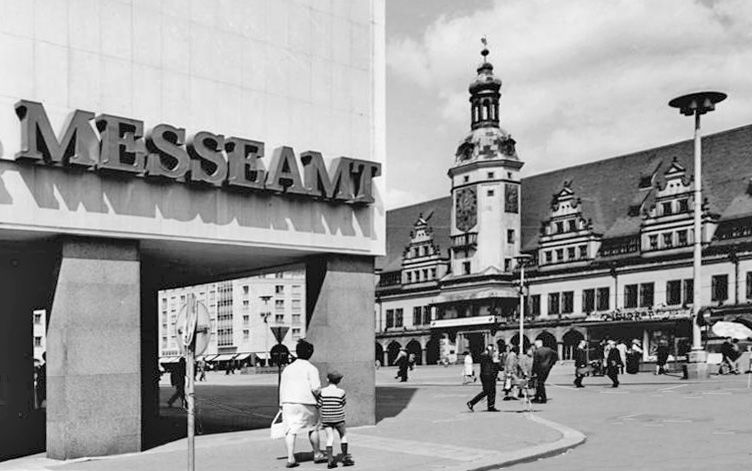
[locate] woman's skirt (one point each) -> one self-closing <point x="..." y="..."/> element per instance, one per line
<point x="300" y="417"/>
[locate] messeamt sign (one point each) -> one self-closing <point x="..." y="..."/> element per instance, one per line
<point x="119" y="146"/>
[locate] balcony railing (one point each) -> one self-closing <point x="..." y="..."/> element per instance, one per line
<point x="465" y="241"/>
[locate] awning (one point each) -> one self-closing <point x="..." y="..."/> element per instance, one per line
<point x="471" y="294"/>
<point x="261" y="355"/>
<point x="463" y="321"/>
<point x="167" y="360"/>
<point x="242" y="356"/>
<point x="210" y="357"/>
<point x="224" y="357"/>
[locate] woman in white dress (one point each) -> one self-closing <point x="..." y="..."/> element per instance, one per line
<point x="468" y="371"/>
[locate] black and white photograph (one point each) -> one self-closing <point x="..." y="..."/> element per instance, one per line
<point x="385" y="235"/>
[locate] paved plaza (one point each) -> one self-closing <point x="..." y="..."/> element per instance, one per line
<point x="650" y="422"/>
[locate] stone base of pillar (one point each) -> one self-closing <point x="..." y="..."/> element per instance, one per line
<point x="696" y="371"/>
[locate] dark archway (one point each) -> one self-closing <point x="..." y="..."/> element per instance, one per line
<point x="379" y="353"/>
<point x="515" y="342"/>
<point x="433" y="351"/>
<point x="392" y="350"/>
<point x="548" y="339"/>
<point x="413" y="347"/>
<point x="570" y="340"/>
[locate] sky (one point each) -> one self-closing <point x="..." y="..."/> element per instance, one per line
<point x="583" y="80"/>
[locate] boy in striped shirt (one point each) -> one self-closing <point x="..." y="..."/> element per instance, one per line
<point x="332" y="411"/>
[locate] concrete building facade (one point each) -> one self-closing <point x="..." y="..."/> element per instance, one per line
<point x="146" y="146"/>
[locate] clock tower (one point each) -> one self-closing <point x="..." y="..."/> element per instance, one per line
<point x="485" y="226"/>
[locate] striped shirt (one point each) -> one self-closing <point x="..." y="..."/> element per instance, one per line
<point x="332" y="403"/>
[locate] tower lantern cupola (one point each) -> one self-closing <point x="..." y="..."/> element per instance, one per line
<point x="484" y="94"/>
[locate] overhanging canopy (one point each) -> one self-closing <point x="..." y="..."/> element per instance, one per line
<point x="474" y="294"/>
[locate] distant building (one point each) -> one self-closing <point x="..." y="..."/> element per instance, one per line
<point x="237" y="309"/>
<point x="39" y="328"/>
<point x="610" y="243"/>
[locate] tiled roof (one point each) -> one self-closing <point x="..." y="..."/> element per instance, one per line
<point x="607" y="189"/>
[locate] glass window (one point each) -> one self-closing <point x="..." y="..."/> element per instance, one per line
<point x="719" y="288"/>
<point x="510" y="236"/>
<point x="681" y="237"/>
<point x="588" y="300"/>
<point x="37" y="341"/>
<point x="653" y="241"/>
<point x="279" y="318"/>
<point x="246" y="319"/>
<point x="684" y="205"/>
<point x="535" y="305"/>
<point x="630" y="296"/>
<point x="296" y="319"/>
<point x="559" y="227"/>
<point x="673" y="292"/>
<point x="567" y="302"/>
<point x="426" y="315"/>
<point x="246" y="334"/>
<point x="583" y="251"/>
<point x="646" y="294"/>
<point x="689" y="291"/>
<point x="553" y="303"/>
<point x="279" y="304"/>
<point x="279" y="289"/>
<point x="246" y="289"/>
<point x="559" y="255"/>
<point x="37" y="319"/>
<point x="398" y="322"/>
<point x="749" y="285"/>
<point x="549" y="256"/>
<point x="572" y="225"/>
<point x="490" y="193"/>
<point x="507" y="264"/>
<point x="570" y="253"/>
<point x="466" y="268"/>
<point x="603" y="299"/>
<point x="417" y="315"/>
<point x="666" y="208"/>
<point x="490" y="175"/>
<point x="668" y="239"/>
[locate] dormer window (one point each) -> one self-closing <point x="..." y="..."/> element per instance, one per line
<point x="646" y="181"/>
<point x="684" y="205"/>
<point x="682" y="237"/>
<point x="666" y="208"/>
<point x="653" y="239"/>
<point x="559" y="227"/>
<point x="559" y="255"/>
<point x="668" y="240"/>
<point x="572" y="225"/>
<point x="549" y="256"/>
<point x="570" y="253"/>
<point x="583" y="251"/>
<point x="409" y="277"/>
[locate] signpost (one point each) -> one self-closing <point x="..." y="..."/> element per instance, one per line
<point x="194" y="330"/>
<point x="279" y="332"/>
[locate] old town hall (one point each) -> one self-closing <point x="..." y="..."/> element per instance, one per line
<point x="608" y="246"/>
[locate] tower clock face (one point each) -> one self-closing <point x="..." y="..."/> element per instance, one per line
<point x="466" y="209"/>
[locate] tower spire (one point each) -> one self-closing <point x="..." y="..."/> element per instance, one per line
<point x="484" y="93"/>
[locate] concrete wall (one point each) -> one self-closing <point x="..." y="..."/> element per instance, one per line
<point x="306" y="74"/>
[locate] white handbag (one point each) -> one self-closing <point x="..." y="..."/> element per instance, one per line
<point x="278" y="427"/>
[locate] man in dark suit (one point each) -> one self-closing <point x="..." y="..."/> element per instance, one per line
<point x="543" y="360"/>
<point x="613" y="363"/>
<point x="580" y="363"/>
<point x="488" y="372"/>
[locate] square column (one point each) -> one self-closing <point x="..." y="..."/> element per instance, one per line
<point x="340" y="317"/>
<point x="94" y="350"/>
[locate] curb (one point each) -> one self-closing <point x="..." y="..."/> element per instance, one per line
<point x="570" y="438"/>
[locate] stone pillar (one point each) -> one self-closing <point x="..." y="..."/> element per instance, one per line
<point x="340" y="297"/>
<point x="560" y="350"/>
<point x="645" y="345"/>
<point x="423" y="356"/>
<point x="94" y="351"/>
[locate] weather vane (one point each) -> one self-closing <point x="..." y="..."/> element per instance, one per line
<point x="484" y="52"/>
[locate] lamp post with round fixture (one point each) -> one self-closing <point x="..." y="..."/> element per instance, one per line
<point x="265" y="315"/>
<point x="522" y="259"/>
<point x="697" y="104"/>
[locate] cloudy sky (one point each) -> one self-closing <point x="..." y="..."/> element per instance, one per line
<point x="583" y="80"/>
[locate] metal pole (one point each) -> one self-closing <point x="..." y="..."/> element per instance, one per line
<point x="522" y="304"/>
<point x="189" y="364"/>
<point x="697" y="259"/>
<point x="279" y="373"/>
<point x="266" y="338"/>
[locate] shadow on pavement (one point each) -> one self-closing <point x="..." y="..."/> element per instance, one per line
<point x="222" y="409"/>
<point x="390" y="401"/>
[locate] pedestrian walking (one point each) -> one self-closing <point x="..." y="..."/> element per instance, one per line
<point x="580" y="363"/>
<point x="411" y="361"/>
<point x="510" y="373"/>
<point x="298" y="391"/>
<point x="544" y="359"/>
<point x="622" y="347"/>
<point x="488" y="373"/>
<point x="41" y="383"/>
<point x="661" y="355"/>
<point x="633" y="357"/>
<point x="468" y="372"/>
<point x="402" y="365"/>
<point x="332" y="401"/>
<point x="613" y="364"/>
<point x="201" y="370"/>
<point x="177" y="379"/>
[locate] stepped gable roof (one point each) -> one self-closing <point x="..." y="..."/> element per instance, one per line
<point x="609" y="187"/>
<point x="401" y="221"/>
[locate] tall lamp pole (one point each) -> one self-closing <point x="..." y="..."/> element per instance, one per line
<point x="697" y="104"/>
<point x="522" y="260"/>
<point x="265" y="315"/>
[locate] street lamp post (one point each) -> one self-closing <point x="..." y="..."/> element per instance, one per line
<point x="265" y="315"/>
<point x="697" y="104"/>
<point x="522" y="259"/>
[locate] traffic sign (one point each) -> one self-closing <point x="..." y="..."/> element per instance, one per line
<point x="279" y="332"/>
<point x="193" y="326"/>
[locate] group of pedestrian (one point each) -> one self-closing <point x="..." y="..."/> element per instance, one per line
<point x="532" y="367"/>
<point x="617" y="359"/>
<point x="731" y="353"/>
<point x="309" y="408"/>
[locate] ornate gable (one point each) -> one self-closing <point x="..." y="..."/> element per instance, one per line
<point x="567" y="236"/>
<point x="421" y="258"/>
